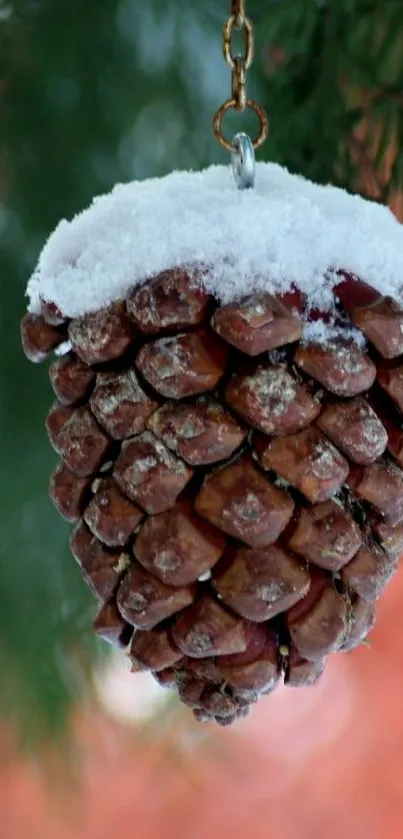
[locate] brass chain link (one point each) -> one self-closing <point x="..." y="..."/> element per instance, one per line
<point x="239" y="64"/>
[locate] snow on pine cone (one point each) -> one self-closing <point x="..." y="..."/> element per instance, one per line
<point x="237" y="491"/>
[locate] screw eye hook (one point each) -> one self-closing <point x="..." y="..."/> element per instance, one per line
<point x="243" y="161"/>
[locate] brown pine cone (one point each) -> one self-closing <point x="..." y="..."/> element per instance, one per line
<point x="238" y="512"/>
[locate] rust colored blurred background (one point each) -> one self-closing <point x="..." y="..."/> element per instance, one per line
<point x="326" y="761"/>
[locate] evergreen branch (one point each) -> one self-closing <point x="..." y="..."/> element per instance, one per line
<point x="384" y="93"/>
<point x="374" y="188"/>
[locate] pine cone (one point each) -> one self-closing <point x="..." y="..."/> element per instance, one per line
<point x="237" y="490"/>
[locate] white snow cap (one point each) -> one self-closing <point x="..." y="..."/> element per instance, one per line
<point x="287" y="230"/>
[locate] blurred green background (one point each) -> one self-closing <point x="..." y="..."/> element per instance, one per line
<point x="93" y="92"/>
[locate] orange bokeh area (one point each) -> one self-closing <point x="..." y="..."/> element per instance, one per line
<point x="319" y="763"/>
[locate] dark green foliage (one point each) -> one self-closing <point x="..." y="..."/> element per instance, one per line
<point x="95" y="92"/>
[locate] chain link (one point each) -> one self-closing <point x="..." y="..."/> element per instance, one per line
<point x="238" y="11"/>
<point x="239" y="64"/>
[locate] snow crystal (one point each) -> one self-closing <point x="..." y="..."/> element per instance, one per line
<point x="320" y="331"/>
<point x="274" y="387"/>
<point x="323" y="460"/>
<point x="63" y="348"/>
<point x="287" y="230"/>
<point x="123" y="563"/>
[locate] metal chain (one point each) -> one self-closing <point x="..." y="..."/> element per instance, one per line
<point x="239" y="64"/>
